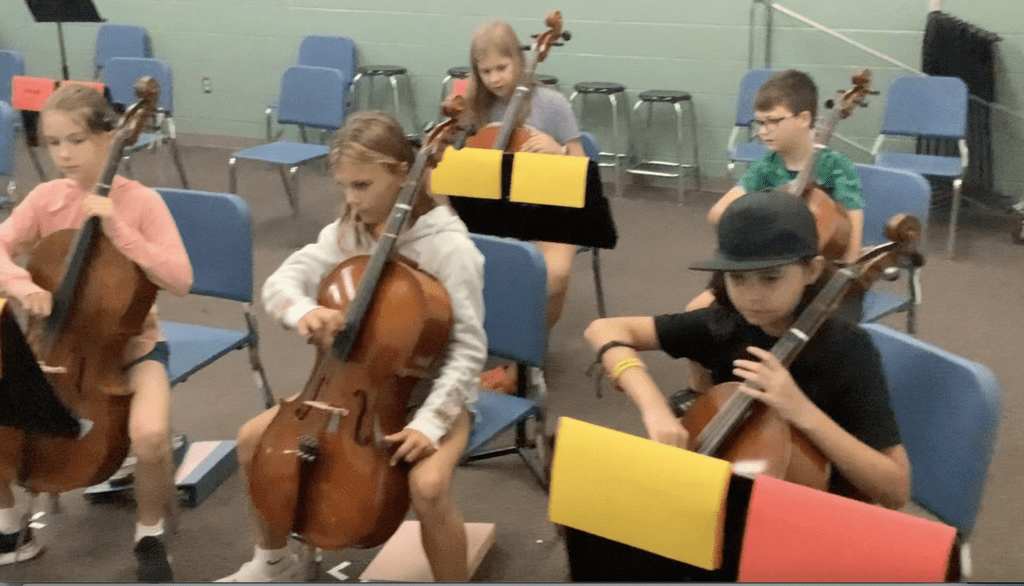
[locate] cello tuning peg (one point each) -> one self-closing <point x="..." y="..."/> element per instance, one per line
<point x="830" y="104"/>
<point x="566" y="35"/>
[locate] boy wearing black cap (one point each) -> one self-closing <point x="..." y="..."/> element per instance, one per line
<point x="834" y="392"/>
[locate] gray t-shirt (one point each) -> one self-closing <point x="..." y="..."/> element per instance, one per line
<point x="550" y="114"/>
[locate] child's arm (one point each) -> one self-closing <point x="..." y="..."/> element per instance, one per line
<point x="17" y="230"/>
<point x="143" y="229"/>
<point x="856" y="235"/>
<point x="883" y="475"/>
<point x="289" y="292"/>
<point x="461" y="270"/>
<point x="730" y="196"/>
<point x="639" y="332"/>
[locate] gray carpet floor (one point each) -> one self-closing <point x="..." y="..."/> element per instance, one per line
<point x="971" y="306"/>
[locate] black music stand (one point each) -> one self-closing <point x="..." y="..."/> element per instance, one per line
<point x="61" y="11"/>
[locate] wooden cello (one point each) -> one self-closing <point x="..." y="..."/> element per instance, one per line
<point x="830" y="216"/>
<point x="100" y="301"/>
<point x="729" y="424"/>
<point x="321" y="468"/>
<point x="509" y="135"/>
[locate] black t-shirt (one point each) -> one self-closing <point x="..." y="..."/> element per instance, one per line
<point x="839" y="370"/>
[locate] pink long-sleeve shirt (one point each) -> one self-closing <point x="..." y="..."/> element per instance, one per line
<point x="141" y="228"/>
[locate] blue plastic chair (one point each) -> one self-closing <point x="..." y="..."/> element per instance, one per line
<point x="888" y="192"/>
<point x="7" y="153"/>
<point x="120" y="76"/>
<point x="310" y="96"/>
<point x="593" y="152"/>
<point x="337" y="52"/>
<point x="120" y="40"/>
<point x="927" y="107"/>
<point x="217" y="231"/>
<point x="948" y="411"/>
<point x="747" y="151"/>
<point x="11" y="63"/>
<point x="515" y="302"/>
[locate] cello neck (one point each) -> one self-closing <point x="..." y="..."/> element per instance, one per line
<point x="400" y="213"/>
<point x="822" y="135"/>
<point x="740" y="405"/>
<point x="78" y="255"/>
<point x="523" y="90"/>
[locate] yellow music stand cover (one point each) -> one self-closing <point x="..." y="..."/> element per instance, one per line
<point x="659" y="498"/>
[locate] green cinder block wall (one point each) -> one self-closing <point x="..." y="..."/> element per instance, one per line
<point x="700" y="46"/>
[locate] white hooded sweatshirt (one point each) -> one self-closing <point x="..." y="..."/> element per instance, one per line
<point x="439" y="243"/>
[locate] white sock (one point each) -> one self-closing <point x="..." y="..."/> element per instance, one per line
<point x="10" y="520"/>
<point x="148" y="530"/>
<point x="264" y="556"/>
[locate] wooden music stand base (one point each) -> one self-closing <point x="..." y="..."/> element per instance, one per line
<point x="402" y="558"/>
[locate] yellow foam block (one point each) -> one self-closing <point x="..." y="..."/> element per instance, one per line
<point x="549" y="180"/>
<point x="468" y="173"/>
<point x="655" y="497"/>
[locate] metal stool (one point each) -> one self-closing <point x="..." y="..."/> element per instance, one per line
<point x="453" y="73"/>
<point x="548" y="80"/>
<point x="644" y="164"/>
<point x="611" y="90"/>
<point x="392" y="73"/>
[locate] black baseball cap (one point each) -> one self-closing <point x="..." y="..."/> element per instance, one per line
<point x="763" y="229"/>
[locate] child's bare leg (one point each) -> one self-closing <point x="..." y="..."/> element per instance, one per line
<point x="558" y="257"/>
<point x="149" y="431"/>
<point x="433" y="498"/>
<point x="248" y="440"/>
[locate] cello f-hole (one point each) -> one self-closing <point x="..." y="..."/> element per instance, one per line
<point x="363" y="437"/>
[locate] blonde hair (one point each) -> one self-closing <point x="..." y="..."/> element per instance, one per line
<point x="496" y="36"/>
<point x="85" y="105"/>
<point x="372" y="136"/>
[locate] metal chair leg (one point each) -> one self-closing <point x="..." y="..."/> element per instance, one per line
<point x="255" y="363"/>
<point x="954" y="214"/>
<point x="291" y="187"/>
<point x="232" y="176"/>
<point x="177" y="162"/>
<point x="595" y="263"/>
<point x="617" y="142"/>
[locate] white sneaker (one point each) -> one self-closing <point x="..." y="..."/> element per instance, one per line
<point x="284" y="569"/>
<point x="19" y="552"/>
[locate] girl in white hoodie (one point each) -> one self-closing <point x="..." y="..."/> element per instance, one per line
<point x="370" y="158"/>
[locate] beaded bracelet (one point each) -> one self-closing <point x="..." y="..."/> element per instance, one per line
<point x="624" y="365"/>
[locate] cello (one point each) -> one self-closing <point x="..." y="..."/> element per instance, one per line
<point x="726" y="423"/>
<point x="509" y="135"/>
<point x="100" y="301"/>
<point x="830" y="216"/>
<point x="322" y="466"/>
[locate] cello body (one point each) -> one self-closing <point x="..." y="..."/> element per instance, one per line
<point x="321" y="468"/>
<point x="111" y="305"/>
<point x="764" y="437"/>
<point x="832" y="221"/>
<point x="488" y="135"/>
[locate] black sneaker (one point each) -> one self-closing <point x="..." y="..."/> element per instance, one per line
<point x="153" y="563"/>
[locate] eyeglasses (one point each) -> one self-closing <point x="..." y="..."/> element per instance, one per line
<point x="768" y="124"/>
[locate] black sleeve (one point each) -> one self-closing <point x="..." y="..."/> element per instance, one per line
<point x="685" y="335"/>
<point x="865" y="403"/>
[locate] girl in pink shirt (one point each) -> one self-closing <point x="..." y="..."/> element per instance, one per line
<point x="76" y="125"/>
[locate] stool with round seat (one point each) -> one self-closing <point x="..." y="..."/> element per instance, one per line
<point x="614" y="92"/>
<point x="392" y="73"/>
<point x="461" y="72"/>
<point x="647" y="166"/>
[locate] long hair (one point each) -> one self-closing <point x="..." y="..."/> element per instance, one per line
<point x="372" y="136"/>
<point x="498" y="37"/>
<point x="85" y="105"/>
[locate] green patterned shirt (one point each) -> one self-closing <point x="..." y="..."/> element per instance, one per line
<point x="836" y="175"/>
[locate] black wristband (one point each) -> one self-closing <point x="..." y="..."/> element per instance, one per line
<point x="609" y="346"/>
